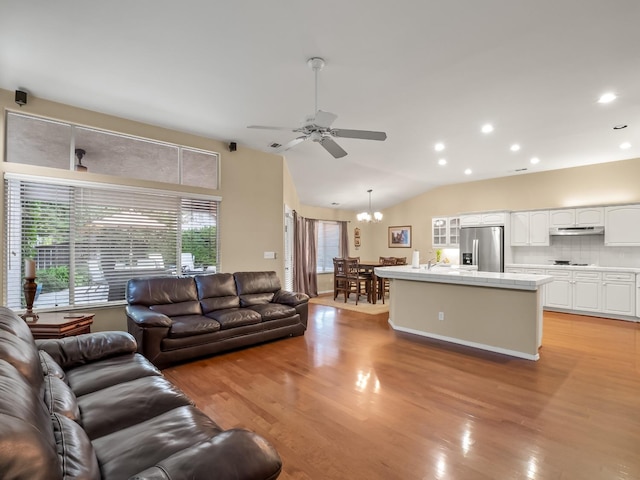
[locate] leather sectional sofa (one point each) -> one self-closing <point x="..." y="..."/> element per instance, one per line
<point x="90" y="407"/>
<point x="175" y="319"/>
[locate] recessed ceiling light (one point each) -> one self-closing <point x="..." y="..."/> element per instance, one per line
<point x="515" y="147"/>
<point x="439" y="147"/>
<point x="335" y="203"/>
<point x="535" y="160"/>
<point x="442" y="161"/>
<point x="620" y="126"/>
<point x="487" y="128"/>
<point x="467" y="171"/>
<point x="625" y="145"/>
<point x="607" y="97"/>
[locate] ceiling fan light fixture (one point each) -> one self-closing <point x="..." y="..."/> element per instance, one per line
<point x="369" y="216"/>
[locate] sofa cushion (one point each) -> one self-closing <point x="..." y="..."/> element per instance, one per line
<point x="273" y="311"/>
<point x="161" y="291"/>
<point x="155" y="396"/>
<point x="75" y="451"/>
<point x="256" y="288"/>
<point x="59" y="398"/>
<point x="191" y="307"/>
<point x="235" y="317"/>
<point x="217" y="292"/>
<point x="111" y="371"/>
<point x="127" y="452"/>
<point x="50" y="366"/>
<point x="24" y="357"/>
<point x="189" y="325"/>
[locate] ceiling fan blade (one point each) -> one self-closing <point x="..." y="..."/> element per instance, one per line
<point x="324" y="119"/>
<point x="262" y="127"/>
<point x="362" y="134"/>
<point x="291" y="144"/>
<point x="332" y="147"/>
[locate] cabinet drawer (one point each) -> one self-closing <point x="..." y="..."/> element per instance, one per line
<point x="619" y="276"/>
<point x="559" y="273"/>
<point x="586" y="275"/>
<point x="534" y="271"/>
<point x="513" y="270"/>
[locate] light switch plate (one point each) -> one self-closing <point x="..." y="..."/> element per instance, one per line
<point x="270" y="255"/>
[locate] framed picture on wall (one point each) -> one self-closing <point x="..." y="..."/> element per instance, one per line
<point x="400" y="237"/>
<point x="356" y="242"/>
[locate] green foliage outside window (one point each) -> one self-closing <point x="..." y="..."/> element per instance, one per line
<point x="201" y="242"/>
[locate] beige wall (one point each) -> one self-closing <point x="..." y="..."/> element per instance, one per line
<point x="607" y="183"/>
<point x="252" y="186"/>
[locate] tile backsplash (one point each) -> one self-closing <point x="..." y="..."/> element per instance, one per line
<point x="588" y="249"/>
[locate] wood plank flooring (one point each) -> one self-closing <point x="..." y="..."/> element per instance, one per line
<point x="352" y="399"/>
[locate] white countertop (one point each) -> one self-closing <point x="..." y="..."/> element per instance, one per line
<point x="574" y="267"/>
<point x="461" y="275"/>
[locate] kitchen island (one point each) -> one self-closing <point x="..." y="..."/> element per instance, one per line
<point x="499" y="312"/>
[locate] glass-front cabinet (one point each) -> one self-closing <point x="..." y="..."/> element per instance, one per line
<point x="445" y="231"/>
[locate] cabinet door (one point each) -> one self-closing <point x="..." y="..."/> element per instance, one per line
<point x="562" y="218"/>
<point x="558" y="293"/>
<point x="519" y="229"/>
<point x="454" y="231"/>
<point x="439" y="232"/>
<point x="622" y="225"/>
<point x="586" y="295"/>
<point x="590" y="217"/>
<point x="539" y="228"/>
<point x="493" y="218"/>
<point x="470" y="220"/>
<point x="618" y="298"/>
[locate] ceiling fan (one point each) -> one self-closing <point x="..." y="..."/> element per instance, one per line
<point x="317" y="127"/>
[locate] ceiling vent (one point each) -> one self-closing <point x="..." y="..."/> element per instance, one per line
<point x="275" y="145"/>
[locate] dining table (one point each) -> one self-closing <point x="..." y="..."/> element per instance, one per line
<point x="368" y="267"/>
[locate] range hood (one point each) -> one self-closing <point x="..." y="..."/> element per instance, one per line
<point x="576" y="231"/>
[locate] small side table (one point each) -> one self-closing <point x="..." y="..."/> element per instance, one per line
<point x="61" y="324"/>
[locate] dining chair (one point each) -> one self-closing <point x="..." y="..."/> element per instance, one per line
<point x="339" y="275"/>
<point x="401" y="260"/>
<point x="354" y="281"/>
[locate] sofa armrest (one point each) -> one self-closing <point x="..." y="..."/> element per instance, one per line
<point x="145" y="317"/>
<point x="232" y="455"/>
<point x="80" y="349"/>
<point x="290" y="298"/>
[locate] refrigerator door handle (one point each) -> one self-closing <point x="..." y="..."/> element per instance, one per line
<point x="475" y="252"/>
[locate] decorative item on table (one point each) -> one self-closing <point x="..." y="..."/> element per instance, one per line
<point x="400" y="237"/>
<point x="30" y="287"/>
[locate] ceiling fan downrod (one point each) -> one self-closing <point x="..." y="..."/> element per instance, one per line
<point x="316" y="64"/>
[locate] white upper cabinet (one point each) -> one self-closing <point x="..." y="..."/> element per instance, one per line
<point x="479" y="219"/>
<point x="590" y="217"/>
<point x="577" y="217"/>
<point x="622" y="226"/>
<point x="530" y="228"/>
<point x="445" y="231"/>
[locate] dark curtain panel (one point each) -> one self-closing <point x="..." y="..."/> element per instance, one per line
<point x="344" y="239"/>
<point x="305" y="255"/>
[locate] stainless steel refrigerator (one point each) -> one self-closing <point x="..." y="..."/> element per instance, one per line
<point x="484" y="247"/>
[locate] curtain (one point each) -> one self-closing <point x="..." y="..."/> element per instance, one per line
<point x="344" y="239"/>
<point x="305" y="253"/>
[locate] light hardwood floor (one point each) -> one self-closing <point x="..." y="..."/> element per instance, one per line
<point x="352" y="399"/>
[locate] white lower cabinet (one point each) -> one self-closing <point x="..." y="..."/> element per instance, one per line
<point x="559" y="292"/>
<point x="619" y="293"/>
<point x="586" y="291"/>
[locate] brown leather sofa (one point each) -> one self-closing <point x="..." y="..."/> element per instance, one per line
<point x="90" y="407"/>
<point x="174" y="319"/>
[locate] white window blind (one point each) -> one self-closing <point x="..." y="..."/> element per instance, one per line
<point x="89" y="239"/>
<point x="328" y="245"/>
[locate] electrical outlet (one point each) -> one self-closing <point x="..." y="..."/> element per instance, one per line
<point x="440" y="315"/>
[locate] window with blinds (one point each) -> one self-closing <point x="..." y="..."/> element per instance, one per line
<point x="328" y="245"/>
<point x="88" y="239"/>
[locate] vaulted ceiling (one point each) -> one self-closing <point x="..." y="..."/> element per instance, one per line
<point x="422" y="71"/>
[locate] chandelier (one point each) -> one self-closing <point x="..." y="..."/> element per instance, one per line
<point x="369" y="216"/>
